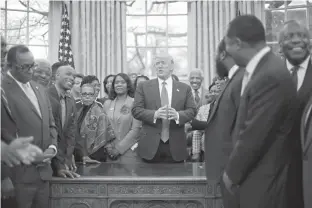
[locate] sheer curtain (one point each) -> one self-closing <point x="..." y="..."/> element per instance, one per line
<point x="208" y="21"/>
<point x="98" y="31"/>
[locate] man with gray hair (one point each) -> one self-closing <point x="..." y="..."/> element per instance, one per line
<point x="164" y="106"/>
<point x="196" y="77"/>
<point x="294" y="41"/>
<point x="42" y="72"/>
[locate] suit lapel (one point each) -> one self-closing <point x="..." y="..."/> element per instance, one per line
<point x="16" y="90"/>
<point x="215" y="106"/>
<point x="304" y="126"/>
<point x="174" y="95"/>
<point x="306" y="85"/>
<point x="42" y="105"/>
<point x="154" y="89"/>
<point x="262" y="61"/>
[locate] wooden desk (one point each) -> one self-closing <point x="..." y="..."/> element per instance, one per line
<point x="107" y="185"/>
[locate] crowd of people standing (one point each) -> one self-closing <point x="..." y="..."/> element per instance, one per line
<point x="252" y="127"/>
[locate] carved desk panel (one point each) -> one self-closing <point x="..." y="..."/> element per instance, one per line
<point x="136" y="186"/>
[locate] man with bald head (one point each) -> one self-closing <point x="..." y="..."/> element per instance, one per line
<point x="196" y="77"/>
<point x="164" y="106"/>
<point x="64" y="112"/>
<point x="295" y="45"/>
<point x="42" y="72"/>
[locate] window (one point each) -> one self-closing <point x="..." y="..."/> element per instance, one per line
<point x="26" y="22"/>
<point x="156" y="27"/>
<point x="277" y="12"/>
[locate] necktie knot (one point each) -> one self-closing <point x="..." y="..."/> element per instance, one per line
<point x="164" y="83"/>
<point x="295" y="69"/>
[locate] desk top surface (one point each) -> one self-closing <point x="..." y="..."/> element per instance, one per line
<point x="143" y="171"/>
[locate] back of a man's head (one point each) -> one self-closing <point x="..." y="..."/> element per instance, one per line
<point x="248" y="28"/>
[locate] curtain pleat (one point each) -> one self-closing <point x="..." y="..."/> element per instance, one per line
<point x="207" y="24"/>
<point x="98" y="31"/>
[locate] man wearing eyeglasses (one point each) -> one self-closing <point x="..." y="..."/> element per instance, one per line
<point x="31" y="110"/>
<point x="64" y="112"/>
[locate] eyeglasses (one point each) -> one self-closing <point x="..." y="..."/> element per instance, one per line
<point x="84" y="94"/>
<point x="27" y="66"/>
<point x="96" y="85"/>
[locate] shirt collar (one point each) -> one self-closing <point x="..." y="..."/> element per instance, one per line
<point x="252" y="64"/>
<point x="168" y="81"/>
<point x="61" y="94"/>
<point x="303" y="65"/>
<point x="232" y="71"/>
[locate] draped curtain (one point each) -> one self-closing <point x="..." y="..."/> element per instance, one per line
<point x="98" y="31"/>
<point x="207" y="22"/>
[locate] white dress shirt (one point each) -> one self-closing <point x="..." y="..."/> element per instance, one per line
<point x="168" y="86"/>
<point x="252" y="65"/>
<point x="232" y="71"/>
<point x="301" y="71"/>
<point x="30" y="94"/>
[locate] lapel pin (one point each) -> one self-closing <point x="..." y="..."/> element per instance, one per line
<point x="178" y="90"/>
<point x="37" y="87"/>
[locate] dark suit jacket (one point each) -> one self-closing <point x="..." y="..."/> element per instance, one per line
<point x="303" y="95"/>
<point x="203" y="100"/>
<point x="29" y="123"/>
<point x="67" y="132"/>
<point x="5" y="134"/>
<point x="221" y="122"/>
<point x="306" y="140"/>
<point x="260" y="160"/>
<point x="146" y="102"/>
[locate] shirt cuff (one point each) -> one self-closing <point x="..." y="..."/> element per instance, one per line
<point x="177" y="121"/>
<point x="52" y="146"/>
<point x="155" y="119"/>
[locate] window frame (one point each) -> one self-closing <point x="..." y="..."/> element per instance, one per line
<point x="167" y="47"/>
<point x="5" y="9"/>
<point x="286" y="8"/>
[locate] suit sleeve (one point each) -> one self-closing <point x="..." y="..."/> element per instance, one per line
<point x="199" y="125"/>
<point x="53" y="130"/>
<point x="138" y="110"/>
<point x="71" y="132"/>
<point x="252" y="141"/>
<point x="189" y="111"/>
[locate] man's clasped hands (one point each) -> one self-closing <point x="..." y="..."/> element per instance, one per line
<point x="166" y="112"/>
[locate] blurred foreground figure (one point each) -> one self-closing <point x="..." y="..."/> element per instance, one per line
<point x="259" y="165"/>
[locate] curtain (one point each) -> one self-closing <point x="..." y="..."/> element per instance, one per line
<point x="207" y="22"/>
<point x="254" y="7"/>
<point x="98" y="31"/>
